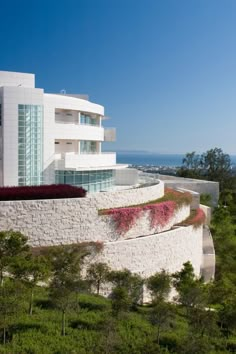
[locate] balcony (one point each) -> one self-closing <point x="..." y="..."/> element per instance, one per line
<point x="84" y="161"/>
<point x="110" y="134"/>
<point x="78" y="132"/>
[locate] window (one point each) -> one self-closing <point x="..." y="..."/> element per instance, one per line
<point x="88" y="119"/>
<point x="30" y="146"/>
<point x="88" y="147"/>
<point x="92" y="181"/>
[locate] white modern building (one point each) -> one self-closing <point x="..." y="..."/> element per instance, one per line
<point x="57" y="138"/>
<point x="52" y="138"/>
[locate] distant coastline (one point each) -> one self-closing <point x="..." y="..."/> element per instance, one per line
<point x="143" y="158"/>
<point x="149" y="159"/>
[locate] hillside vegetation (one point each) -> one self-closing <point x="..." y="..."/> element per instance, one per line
<point x="46" y="306"/>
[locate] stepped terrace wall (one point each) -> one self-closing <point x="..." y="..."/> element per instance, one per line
<point x="65" y="221"/>
<point x="148" y="255"/>
<point x="196" y="185"/>
<point x="167" y="250"/>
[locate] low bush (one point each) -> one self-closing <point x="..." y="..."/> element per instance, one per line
<point x="196" y="219"/>
<point x="160" y="210"/>
<point x="53" y="191"/>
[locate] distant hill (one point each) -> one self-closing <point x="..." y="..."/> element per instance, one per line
<point x="136" y="152"/>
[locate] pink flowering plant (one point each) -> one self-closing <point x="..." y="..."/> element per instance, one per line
<point x="160" y="213"/>
<point x="196" y="218"/>
<point x="125" y="218"/>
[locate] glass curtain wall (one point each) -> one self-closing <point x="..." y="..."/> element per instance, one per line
<point x="30" y="145"/>
<point x="88" y="147"/>
<point x="88" y="120"/>
<point x="92" y="181"/>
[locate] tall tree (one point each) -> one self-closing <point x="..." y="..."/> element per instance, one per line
<point x="160" y="285"/>
<point x="191" y="167"/>
<point x="31" y="270"/>
<point x="161" y="315"/>
<point x="191" y="291"/>
<point x="213" y="165"/>
<point x="12" y="245"/>
<point x="10" y="304"/>
<point x="97" y="273"/>
<point x="121" y="301"/>
<point x="131" y="283"/>
<point x="66" y="282"/>
<point x="216" y="166"/>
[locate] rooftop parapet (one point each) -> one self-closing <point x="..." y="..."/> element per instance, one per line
<point x="8" y="78"/>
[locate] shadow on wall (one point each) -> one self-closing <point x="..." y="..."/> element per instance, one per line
<point x="49" y="174"/>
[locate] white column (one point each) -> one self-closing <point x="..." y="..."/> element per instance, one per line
<point x="99" y="147"/>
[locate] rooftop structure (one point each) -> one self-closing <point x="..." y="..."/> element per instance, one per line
<point x="52" y="138"/>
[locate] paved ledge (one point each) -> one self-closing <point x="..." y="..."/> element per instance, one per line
<point x="208" y="257"/>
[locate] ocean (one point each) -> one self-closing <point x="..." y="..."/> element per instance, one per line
<point x="142" y="159"/>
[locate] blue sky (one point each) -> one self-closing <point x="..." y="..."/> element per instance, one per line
<point x="165" y="70"/>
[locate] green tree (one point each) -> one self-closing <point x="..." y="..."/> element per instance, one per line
<point x="227" y="314"/>
<point x="216" y="166"/>
<point x="197" y="345"/>
<point x="191" y="291"/>
<point x="132" y="283"/>
<point x="213" y="165"/>
<point x="12" y="245"/>
<point x="191" y="166"/>
<point x="97" y="273"/>
<point x="121" y="301"/>
<point x="10" y="304"/>
<point x="162" y="313"/>
<point x="66" y="263"/>
<point x="185" y="277"/>
<point x="203" y="321"/>
<point x="223" y="229"/>
<point x="160" y="285"/>
<point x="31" y="270"/>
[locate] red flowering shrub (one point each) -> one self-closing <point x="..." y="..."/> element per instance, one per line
<point x="196" y="218"/>
<point x="124" y="218"/>
<point x="161" y="213"/>
<point x="160" y="210"/>
<point x="53" y="191"/>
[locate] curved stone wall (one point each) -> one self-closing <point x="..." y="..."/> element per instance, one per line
<point x="128" y="197"/>
<point x="142" y="250"/>
<point x="142" y="226"/>
<point x="150" y="254"/>
<point x="65" y="221"/>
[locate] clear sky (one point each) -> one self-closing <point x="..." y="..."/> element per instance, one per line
<point x="165" y="70"/>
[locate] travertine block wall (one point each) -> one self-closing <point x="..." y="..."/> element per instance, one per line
<point x="142" y="226"/>
<point x="65" y="221"/>
<point x="128" y="196"/>
<point x="148" y="255"/>
<point x="142" y="250"/>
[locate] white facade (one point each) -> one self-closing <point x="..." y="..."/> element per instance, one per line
<point x="51" y="138"/>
